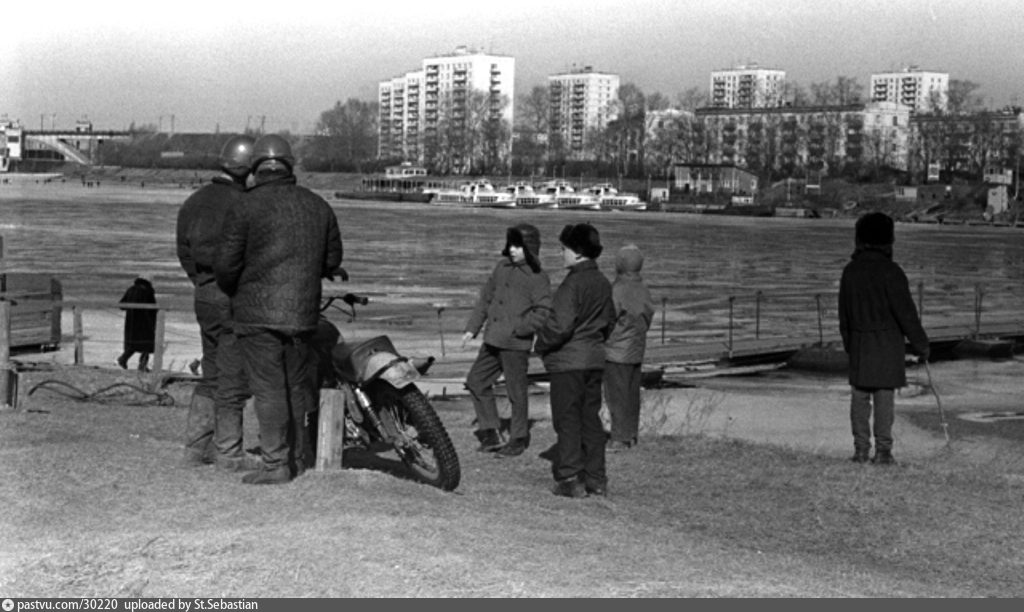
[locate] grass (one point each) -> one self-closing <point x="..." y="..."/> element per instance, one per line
<point x="95" y="505"/>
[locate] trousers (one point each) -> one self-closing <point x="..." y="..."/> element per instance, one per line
<point x="575" y="415"/>
<point x="863" y="402"/>
<point x="491" y="362"/>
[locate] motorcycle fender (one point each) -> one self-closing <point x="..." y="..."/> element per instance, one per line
<point x="400" y="374"/>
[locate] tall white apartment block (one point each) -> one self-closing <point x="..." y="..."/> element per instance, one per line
<point x="747" y="87"/>
<point x="918" y="89"/>
<point x="582" y="103"/>
<point x="445" y="95"/>
<point x="400" y="103"/>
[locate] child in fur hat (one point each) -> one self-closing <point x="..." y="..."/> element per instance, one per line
<point x="571" y="343"/>
<point x="513" y="304"/>
<point x="876" y="313"/>
<point x="624" y="350"/>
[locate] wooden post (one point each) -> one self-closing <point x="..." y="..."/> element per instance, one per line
<point x="76" y="318"/>
<point x="821" y="332"/>
<point x="158" y="347"/>
<point x="5" y="353"/>
<point x="330" y="439"/>
<point x="732" y="301"/>
<point x="757" y="315"/>
<point x="663" y="302"/>
<point x="440" y="328"/>
<point x="920" y="299"/>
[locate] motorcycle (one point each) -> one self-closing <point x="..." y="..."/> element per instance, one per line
<point x="383" y="403"/>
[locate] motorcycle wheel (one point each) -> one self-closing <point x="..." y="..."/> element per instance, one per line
<point x="424" y="447"/>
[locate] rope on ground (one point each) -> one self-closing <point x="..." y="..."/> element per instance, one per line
<point x="160" y="398"/>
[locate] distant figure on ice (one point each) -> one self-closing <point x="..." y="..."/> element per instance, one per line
<point x="876" y="313"/>
<point x="139" y="324"/>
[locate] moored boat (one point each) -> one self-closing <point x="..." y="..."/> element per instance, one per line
<point x="612" y="199"/>
<point x="475" y="193"/>
<point x="579" y="200"/>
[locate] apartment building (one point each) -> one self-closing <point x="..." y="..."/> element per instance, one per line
<point x="918" y="89"/>
<point x="400" y="104"/>
<point x="433" y="116"/>
<point x="582" y="103"/>
<point x="747" y="86"/>
<point x="819" y="138"/>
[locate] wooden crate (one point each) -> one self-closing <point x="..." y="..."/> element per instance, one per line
<point x="35" y="309"/>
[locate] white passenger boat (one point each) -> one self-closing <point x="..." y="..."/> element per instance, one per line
<point x="543" y="196"/>
<point x="475" y="193"/>
<point x="579" y="200"/>
<point x="612" y="199"/>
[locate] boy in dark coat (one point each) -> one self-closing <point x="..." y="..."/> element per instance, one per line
<point x="876" y="313"/>
<point x="571" y="343"/>
<point x="513" y="303"/>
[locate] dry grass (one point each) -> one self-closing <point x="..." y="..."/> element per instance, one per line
<point x="95" y="505"/>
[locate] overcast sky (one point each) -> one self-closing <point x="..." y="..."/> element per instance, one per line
<point x="223" y="64"/>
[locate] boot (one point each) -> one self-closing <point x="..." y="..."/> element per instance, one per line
<point x="143" y="362"/>
<point x="514" y="448"/>
<point x="490" y="440"/>
<point x="860" y="455"/>
<point x="278" y="475"/>
<point x="199" y="448"/>
<point x="241" y="463"/>
<point x="883" y="457"/>
<point x="569" y="487"/>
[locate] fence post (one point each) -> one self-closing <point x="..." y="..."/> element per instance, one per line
<point x="757" y="314"/>
<point x="920" y="299"/>
<point x="440" y="328"/>
<point x="5" y="353"/>
<point x="663" y="302"/>
<point x="732" y="300"/>
<point x="821" y="333"/>
<point x="978" y="293"/>
<point x="76" y="322"/>
<point x="158" y="349"/>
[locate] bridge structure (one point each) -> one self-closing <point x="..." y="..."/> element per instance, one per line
<point x="78" y="146"/>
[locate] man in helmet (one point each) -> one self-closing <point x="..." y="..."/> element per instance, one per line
<point x="275" y="250"/>
<point x="213" y="433"/>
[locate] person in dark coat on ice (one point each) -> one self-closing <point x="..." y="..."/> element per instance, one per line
<point x="139" y="324"/>
<point x="876" y="314"/>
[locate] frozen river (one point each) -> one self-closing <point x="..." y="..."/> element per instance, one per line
<point x="414" y="258"/>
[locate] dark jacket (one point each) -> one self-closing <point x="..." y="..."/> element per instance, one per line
<point x="876" y="313"/>
<point x="513" y="304"/>
<point x="275" y="249"/>
<point x="139" y="324"/>
<point x="634" y="310"/>
<point x="200" y="230"/>
<point x="582" y="315"/>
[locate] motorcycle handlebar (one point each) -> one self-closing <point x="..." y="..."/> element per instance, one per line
<point x="352" y="299"/>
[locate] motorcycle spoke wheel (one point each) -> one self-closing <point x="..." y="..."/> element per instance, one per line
<point x="423" y="444"/>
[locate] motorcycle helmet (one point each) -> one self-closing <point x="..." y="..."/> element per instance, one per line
<point x="236" y="156"/>
<point x="272" y="152"/>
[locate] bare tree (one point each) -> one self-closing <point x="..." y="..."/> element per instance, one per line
<point x="693" y="98"/>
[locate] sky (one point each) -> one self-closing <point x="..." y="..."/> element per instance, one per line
<point x="224" y="65"/>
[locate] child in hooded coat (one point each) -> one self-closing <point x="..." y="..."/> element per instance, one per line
<point x="513" y="304"/>
<point x="877" y="318"/>
<point x="624" y="349"/>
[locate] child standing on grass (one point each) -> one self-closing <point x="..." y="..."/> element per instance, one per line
<point x="139" y="324"/>
<point x="572" y="346"/>
<point x="513" y="304"/>
<point x="624" y="350"/>
<point x="876" y="313"/>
